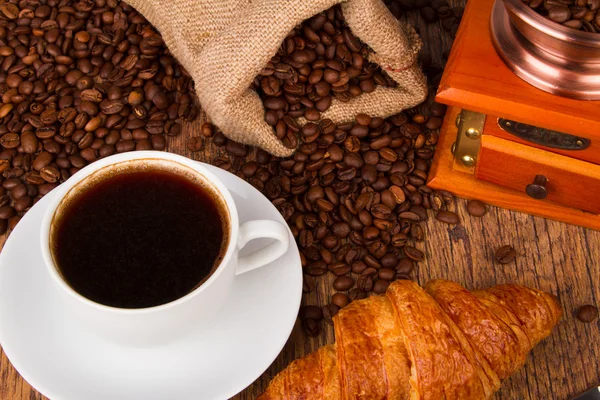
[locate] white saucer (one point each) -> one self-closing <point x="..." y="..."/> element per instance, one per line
<point x="60" y="360"/>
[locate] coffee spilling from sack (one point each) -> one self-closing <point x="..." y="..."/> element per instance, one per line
<point x="140" y="237"/>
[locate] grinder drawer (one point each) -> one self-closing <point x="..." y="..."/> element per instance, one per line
<point x="540" y="174"/>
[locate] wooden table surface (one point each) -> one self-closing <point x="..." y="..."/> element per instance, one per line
<point x="555" y="257"/>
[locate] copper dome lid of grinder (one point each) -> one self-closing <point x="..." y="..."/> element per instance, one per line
<point x="549" y="56"/>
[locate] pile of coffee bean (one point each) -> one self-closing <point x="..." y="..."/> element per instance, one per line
<point x="317" y="62"/>
<point x="354" y="196"/>
<point x="583" y="15"/>
<point x="79" y="80"/>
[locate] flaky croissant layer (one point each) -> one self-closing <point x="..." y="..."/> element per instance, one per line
<point x="440" y="342"/>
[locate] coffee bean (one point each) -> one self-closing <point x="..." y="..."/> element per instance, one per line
<point x="587" y="313"/>
<point x="358" y="267"/>
<point x="315" y="269"/>
<point x="311" y="327"/>
<point x="380" y="286"/>
<point x="330" y="311"/>
<point x="195" y="143"/>
<point x="343" y="283"/>
<point x="340" y="299"/>
<point x="235" y="149"/>
<point x="387" y="273"/>
<point x="308" y="284"/>
<point x="6" y="212"/>
<point x="505" y="254"/>
<point x="559" y="13"/>
<point x="365" y="283"/>
<point x="428" y="14"/>
<point x="476" y="208"/>
<point x="447" y="216"/>
<point x="312" y="312"/>
<point x="413" y="253"/>
<point x="339" y="268"/>
<point x="357" y="294"/>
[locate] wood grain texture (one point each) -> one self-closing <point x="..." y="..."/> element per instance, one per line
<point x="477" y="77"/>
<point x="553" y="256"/>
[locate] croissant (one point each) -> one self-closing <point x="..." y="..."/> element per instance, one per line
<point x="440" y="342"/>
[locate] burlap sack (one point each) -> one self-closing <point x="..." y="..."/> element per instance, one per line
<point x="224" y="44"/>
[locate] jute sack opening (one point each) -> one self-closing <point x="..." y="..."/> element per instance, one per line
<point x="224" y="44"/>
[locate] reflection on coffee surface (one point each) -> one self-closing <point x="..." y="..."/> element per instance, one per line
<point x="140" y="238"/>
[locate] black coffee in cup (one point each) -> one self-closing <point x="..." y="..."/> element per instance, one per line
<point x="139" y="236"/>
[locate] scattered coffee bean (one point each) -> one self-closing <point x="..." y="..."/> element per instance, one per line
<point x="312" y="312"/>
<point x="405" y="266"/>
<point x="330" y="311"/>
<point x="311" y="327"/>
<point x="476" y="208"/>
<point x="505" y="254"/>
<point x="380" y="286"/>
<point x="587" y="313"/>
<point x="195" y="143"/>
<point x="343" y="283"/>
<point x="308" y="284"/>
<point x="448" y="217"/>
<point x="340" y="299"/>
<point x="413" y="253"/>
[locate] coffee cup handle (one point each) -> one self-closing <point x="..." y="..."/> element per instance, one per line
<point x="262" y="228"/>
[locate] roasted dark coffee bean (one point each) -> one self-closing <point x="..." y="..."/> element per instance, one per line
<point x="405" y="266"/>
<point x="312" y="312"/>
<point x="339" y="269"/>
<point x="6" y="212"/>
<point x="476" y="208"/>
<point x="448" y="217"/>
<point x="357" y="294"/>
<point x="308" y="283"/>
<point x="340" y="299"/>
<point x="317" y="268"/>
<point x="330" y="311"/>
<point x="195" y="143"/>
<point x="387" y="273"/>
<point x="587" y="313"/>
<point x="428" y="14"/>
<point x="343" y="283"/>
<point x="413" y="253"/>
<point x="311" y="327"/>
<point x="358" y="267"/>
<point x="505" y="254"/>
<point x="365" y="283"/>
<point x="380" y="286"/>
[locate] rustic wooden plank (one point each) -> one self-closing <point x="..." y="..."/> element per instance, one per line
<point x="553" y="256"/>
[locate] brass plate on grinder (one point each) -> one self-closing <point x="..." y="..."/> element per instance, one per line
<point x="544" y="137"/>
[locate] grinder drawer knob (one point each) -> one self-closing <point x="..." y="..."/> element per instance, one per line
<point x="537" y="189"/>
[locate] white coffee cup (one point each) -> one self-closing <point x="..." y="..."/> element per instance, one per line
<point x="166" y="322"/>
